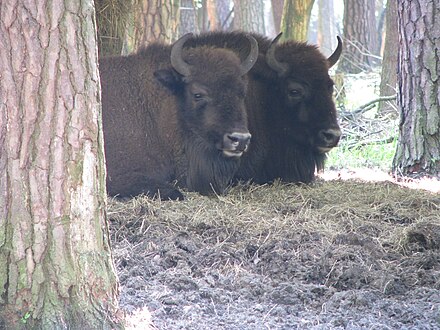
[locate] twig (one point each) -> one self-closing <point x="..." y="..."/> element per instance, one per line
<point x="367" y="106"/>
<point x="364" y="143"/>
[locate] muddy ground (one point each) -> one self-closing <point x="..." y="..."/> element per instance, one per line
<point x="338" y="254"/>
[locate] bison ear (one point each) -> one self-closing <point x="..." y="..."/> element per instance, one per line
<point x="169" y="78"/>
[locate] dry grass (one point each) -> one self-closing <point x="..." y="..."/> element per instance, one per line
<point x="338" y="235"/>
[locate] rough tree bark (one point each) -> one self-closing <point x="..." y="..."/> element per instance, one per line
<point x="388" y="82"/>
<point x="360" y="36"/>
<point x="296" y="18"/>
<point x="152" y="20"/>
<point x="249" y="15"/>
<point x="56" y="270"/>
<point x="418" y="147"/>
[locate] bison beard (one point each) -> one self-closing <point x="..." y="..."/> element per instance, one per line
<point x="208" y="170"/>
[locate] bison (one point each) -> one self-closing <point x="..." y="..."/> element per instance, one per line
<point x="174" y="117"/>
<point x="292" y="116"/>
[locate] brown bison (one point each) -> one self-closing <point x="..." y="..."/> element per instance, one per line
<point x="174" y="116"/>
<point x="292" y="116"/>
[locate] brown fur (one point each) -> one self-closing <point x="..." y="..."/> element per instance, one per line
<point x="154" y="137"/>
<point x="285" y="130"/>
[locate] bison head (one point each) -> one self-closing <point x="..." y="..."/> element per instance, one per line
<point x="307" y="113"/>
<point x="210" y="85"/>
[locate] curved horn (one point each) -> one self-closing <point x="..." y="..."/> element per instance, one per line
<point x="251" y="59"/>
<point x="336" y="54"/>
<point x="176" y="56"/>
<point x="280" y="68"/>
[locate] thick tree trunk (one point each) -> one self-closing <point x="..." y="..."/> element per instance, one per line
<point x="360" y="36"/>
<point x="249" y="15"/>
<point x="418" y="148"/>
<point x="296" y="19"/>
<point x="56" y="269"/>
<point x="388" y="82"/>
<point x="153" y="20"/>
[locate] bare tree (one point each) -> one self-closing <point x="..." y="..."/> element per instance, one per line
<point x="152" y="20"/>
<point x="360" y="36"/>
<point x="418" y="147"/>
<point x="277" y="10"/>
<point x="56" y="269"/>
<point x="188" y="17"/>
<point x="388" y="82"/>
<point x="296" y="19"/>
<point x="326" y="26"/>
<point x="249" y="15"/>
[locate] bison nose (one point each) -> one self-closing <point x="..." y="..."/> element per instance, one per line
<point x="234" y="144"/>
<point x="328" y="138"/>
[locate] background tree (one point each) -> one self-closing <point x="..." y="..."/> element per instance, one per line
<point x="249" y="15"/>
<point x="296" y="18"/>
<point x="388" y="76"/>
<point x="56" y="269"/>
<point x="188" y="17"/>
<point x="360" y="36"/>
<point x="277" y="11"/>
<point x="418" y="147"/>
<point x="152" y="20"/>
<point x="326" y="26"/>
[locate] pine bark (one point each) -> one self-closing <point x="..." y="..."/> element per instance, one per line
<point x="249" y="16"/>
<point x="152" y="20"/>
<point x="360" y="36"/>
<point x="296" y="19"/>
<point x="56" y="269"/>
<point x="418" y="147"/>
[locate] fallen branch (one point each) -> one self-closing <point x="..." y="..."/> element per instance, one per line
<point x="367" y="106"/>
<point x="368" y="142"/>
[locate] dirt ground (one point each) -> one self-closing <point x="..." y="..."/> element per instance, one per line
<point x="337" y="254"/>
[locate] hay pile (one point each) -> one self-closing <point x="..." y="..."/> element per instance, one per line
<point x="333" y="255"/>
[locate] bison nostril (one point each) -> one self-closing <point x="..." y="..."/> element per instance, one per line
<point x="238" y="141"/>
<point x="330" y="136"/>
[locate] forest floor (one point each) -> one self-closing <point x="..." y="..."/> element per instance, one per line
<point x="341" y="253"/>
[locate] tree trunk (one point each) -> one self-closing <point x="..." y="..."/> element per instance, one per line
<point x="249" y="15"/>
<point x="296" y="19"/>
<point x="188" y="18"/>
<point x="56" y="269"/>
<point x="326" y="26"/>
<point x="153" y="20"/>
<point x="277" y="10"/>
<point x="388" y="76"/>
<point x="360" y="36"/>
<point x="418" y="147"/>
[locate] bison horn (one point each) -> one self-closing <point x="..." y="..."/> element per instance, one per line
<point x="249" y="62"/>
<point x="176" y="56"/>
<point x="336" y="54"/>
<point x="280" y="68"/>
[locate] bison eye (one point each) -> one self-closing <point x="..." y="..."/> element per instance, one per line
<point x="295" y="93"/>
<point x="198" y="96"/>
